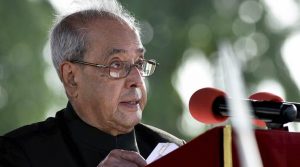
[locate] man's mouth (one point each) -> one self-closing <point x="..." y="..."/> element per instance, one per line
<point x="131" y="105"/>
<point x="132" y="102"/>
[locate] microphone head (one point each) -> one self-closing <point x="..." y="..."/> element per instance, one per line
<point x="266" y="96"/>
<point x="201" y="105"/>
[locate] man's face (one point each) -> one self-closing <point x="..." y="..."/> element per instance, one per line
<point x="112" y="105"/>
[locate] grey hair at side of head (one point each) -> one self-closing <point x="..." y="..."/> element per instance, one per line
<point x="68" y="39"/>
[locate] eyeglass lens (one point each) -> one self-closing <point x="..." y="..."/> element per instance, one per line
<point x="146" y="69"/>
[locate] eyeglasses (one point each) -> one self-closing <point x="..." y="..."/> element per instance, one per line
<point x="121" y="69"/>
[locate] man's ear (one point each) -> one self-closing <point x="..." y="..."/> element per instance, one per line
<point x="68" y="75"/>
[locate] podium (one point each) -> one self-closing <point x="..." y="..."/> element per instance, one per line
<point x="277" y="149"/>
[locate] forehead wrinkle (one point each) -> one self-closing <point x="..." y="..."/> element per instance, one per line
<point x="115" y="51"/>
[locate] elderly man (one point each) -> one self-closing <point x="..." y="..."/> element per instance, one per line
<point x="100" y="60"/>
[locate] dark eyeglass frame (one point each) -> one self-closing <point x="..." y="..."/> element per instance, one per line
<point x="140" y="66"/>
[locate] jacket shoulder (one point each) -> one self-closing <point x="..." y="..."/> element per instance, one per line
<point x="39" y="129"/>
<point x="34" y="144"/>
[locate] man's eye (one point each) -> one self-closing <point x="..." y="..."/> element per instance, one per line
<point x="116" y="65"/>
<point x="140" y="64"/>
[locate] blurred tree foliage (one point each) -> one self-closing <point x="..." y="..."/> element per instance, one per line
<point x="176" y="26"/>
<point x="179" y="25"/>
<point x="24" y="96"/>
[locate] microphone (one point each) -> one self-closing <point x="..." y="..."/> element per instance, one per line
<point x="209" y="105"/>
<point x="264" y="96"/>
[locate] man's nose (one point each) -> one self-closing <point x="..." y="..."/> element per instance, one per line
<point x="134" y="78"/>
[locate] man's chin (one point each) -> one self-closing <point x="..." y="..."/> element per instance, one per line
<point x="126" y="121"/>
<point x="128" y="126"/>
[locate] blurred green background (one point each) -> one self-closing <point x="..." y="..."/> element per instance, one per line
<point x="182" y="35"/>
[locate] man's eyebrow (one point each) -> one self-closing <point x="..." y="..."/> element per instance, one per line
<point x="141" y="50"/>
